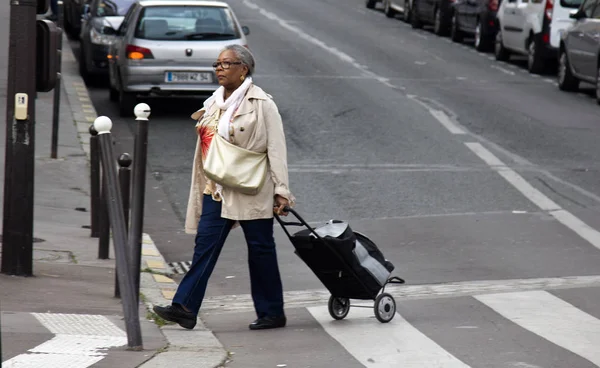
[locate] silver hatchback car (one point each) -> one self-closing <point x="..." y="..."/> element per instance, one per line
<point x="167" y="47"/>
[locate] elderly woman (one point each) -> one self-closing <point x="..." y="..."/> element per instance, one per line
<point x="247" y="117"/>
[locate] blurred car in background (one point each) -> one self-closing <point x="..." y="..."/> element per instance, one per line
<point x="435" y="12"/>
<point x="100" y="19"/>
<point x="73" y="10"/>
<point x="167" y="48"/>
<point x="475" y="18"/>
<point x="533" y="28"/>
<point x="579" y="51"/>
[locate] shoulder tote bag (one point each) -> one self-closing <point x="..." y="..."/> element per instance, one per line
<point x="234" y="167"/>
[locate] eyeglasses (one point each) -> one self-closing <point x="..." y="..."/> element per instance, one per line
<point x="225" y="64"/>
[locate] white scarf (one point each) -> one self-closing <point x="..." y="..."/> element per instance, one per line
<point x="229" y="105"/>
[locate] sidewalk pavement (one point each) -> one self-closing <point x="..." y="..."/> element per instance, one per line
<point x="67" y="315"/>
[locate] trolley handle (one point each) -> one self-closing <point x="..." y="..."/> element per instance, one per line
<point x="301" y="223"/>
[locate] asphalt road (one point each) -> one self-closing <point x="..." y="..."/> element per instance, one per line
<point x="462" y="169"/>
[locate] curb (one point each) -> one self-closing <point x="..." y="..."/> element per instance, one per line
<point x="197" y="348"/>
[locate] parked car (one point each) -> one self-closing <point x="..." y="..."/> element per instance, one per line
<point x="167" y="48"/>
<point x="100" y="18"/>
<point x="475" y="18"/>
<point x="73" y="10"/>
<point x="392" y="7"/>
<point x="435" y="12"/>
<point x="579" y="51"/>
<point x="532" y="28"/>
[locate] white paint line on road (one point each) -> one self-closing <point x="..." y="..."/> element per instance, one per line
<point x="309" y="298"/>
<point x="537" y="197"/>
<point x="551" y="318"/>
<point x="80" y="342"/>
<point x="420" y="35"/>
<point x="398" y="343"/>
<point x="548" y="80"/>
<point x="303" y="35"/>
<point x="505" y="71"/>
<point x="441" y="116"/>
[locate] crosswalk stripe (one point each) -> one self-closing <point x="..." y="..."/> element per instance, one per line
<point x="80" y="342"/>
<point x="307" y="298"/>
<point x="551" y="318"/>
<point x="383" y="345"/>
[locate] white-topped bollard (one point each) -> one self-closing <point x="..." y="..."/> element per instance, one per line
<point x="114" y="202"/>
<point x="141" y="111"/>
<point x="103" y="124"/>
<point x="138" y="191"/>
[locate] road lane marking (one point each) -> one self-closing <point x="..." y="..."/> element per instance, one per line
<point x="398" y="343"/>
<point x="440" y="116"/>
<point x="505" y="71"/>
<point x="318" y="297"/>
<point x="538" y="198"/>
<point x="551" y="318"/>
<point x="80" y="342"/>
<point x="303" y="35"/>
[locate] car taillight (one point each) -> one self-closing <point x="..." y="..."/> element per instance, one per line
<point x="549" y="8"/>
<point x="493" y="5"/>
<point x="138" y="53"/>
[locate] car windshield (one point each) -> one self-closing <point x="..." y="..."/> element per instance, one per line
<point x="111" y="8"/>
<point x="177" y="23"/>
<point x="575" y="4"/>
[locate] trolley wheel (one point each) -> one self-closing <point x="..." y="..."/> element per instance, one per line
<point x="385" y="307"/>
<point x="338" y="307"/>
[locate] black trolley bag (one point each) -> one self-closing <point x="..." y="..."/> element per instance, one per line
<point x="348" y="264"/>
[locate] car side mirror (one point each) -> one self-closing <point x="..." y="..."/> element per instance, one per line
<point x="246" y="30"/>
<point x="576" y="14"/>
<point x="109" y="31"/>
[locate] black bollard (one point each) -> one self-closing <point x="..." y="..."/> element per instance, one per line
<point x="94" y="182"/>
<point x="125" y="183"/>
<point x="114" y="202"/>
<point x="142" y="111"/>
<point x="56" y="106"/>
<point x="103" y="221"/>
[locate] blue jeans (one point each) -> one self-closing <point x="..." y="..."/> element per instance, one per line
<point x="265" y="280"/>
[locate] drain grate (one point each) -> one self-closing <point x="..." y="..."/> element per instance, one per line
<point x="180" y="267"/>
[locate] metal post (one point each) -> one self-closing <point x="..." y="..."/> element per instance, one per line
<point x="141" y="111"/>
<point x="95" y="182"/>
<point x="104" y="220"/>
<point x="115" y="206"/>
<point x="125" y="183"/>
<point x="57" y="88"/>
<point x="17" y="232"/>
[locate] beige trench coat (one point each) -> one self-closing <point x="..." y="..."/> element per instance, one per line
<point x="257" y="127"/>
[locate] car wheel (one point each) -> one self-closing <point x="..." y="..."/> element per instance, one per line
<point x="371" y="4"/>
<point x="406" y="15"/>
<point x="415" y="22"/>
<point x="535" y="64"/>
<point x="480" y="44"/>
<point x="127" y="102"/>
<point x="566" y="80"/>
<point x="389" y="12"/>
<point x="113" y="94"/>
<point x="83" y="70"/>
<point x="500" y="52"/>
<point x="598" y="85"/>
<point x="455" y="33"/>
<point x="440" y="25"/>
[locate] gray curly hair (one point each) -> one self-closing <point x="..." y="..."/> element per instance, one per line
<point x="244" y="55"/>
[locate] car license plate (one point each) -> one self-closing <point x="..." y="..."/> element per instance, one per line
<point x="188" y="77"/>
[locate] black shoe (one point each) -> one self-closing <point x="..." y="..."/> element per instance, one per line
<point x="174" y="313"/>
<point x="268" y="322"/>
